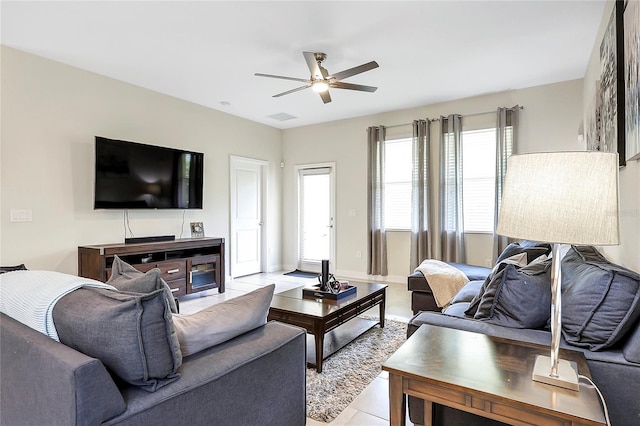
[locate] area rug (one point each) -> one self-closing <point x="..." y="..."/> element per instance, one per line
<point x="347" y="372"/>
<point x="302" y="274"/>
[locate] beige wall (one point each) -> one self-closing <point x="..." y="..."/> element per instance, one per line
<point x="628" y="252"/>
<point x="50" y="115"/>
<point x="549" y="121"/>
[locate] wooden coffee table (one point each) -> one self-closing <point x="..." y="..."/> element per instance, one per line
<point x="336" y="319"/>
<point x="487" y="376"/>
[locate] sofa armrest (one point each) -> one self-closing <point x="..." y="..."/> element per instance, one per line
<point x="257" y="378"/>
<point x="46" y="382"/>
<point x="421" y="295"/>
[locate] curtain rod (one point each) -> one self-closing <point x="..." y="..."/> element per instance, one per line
<point x="437" y="119"/>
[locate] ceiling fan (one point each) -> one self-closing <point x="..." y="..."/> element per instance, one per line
<point x="320" y="80"/>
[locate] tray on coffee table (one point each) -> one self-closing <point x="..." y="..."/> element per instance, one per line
<point x="315" y="293"/>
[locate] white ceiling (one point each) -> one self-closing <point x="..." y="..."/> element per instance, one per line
<point x="207" y="52"/>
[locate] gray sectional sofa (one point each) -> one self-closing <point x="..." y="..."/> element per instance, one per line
<point x="601" y="318"/>
<point x="257" y="378"/>
<point x="121" y="357"/>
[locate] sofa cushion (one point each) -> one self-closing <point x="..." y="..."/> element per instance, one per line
<point x="468" y="292"/>
<point x="127" y="278"/>
<point x="456" y="309"/>
<point x="518" y="297"/>
<point x="223" y="321"/>
<point x="473" y="272"/>
<point x="132" y="334"/>
<point x="600" y="300"/>
<point x="631" y="349"/>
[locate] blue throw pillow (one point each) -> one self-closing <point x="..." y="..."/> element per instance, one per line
<point x="532" y="248"/>
<point x="533" y="251"/>
<point x="518" y="297"/>
<point x="600" y="300"/>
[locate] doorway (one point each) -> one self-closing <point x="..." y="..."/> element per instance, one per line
<point x="316" y="216"/>
<point x="247" y="231"/>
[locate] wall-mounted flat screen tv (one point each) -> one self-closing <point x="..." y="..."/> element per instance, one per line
<point x="130" y="175"/>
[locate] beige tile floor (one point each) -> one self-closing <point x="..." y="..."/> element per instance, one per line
<point x="371" y="407"/>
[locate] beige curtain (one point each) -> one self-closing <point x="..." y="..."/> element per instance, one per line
<point x="376" y="237"/>
<point x="421" y="197"/>
<point x="452" y="244"/>
<point x="506" y="143"/>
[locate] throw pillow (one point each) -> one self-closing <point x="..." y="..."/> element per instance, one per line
<point x="132" y="334"/>
<point x="125" y="277"/>
<point x="518" y="259"/>
<point x="600" y="300"/>
<point x="531" y="248"/>
<point x="522" y="253"/>
<point x="223" y="321"/>
<point x="518" y="297"/>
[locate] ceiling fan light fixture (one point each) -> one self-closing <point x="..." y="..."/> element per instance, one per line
<point x="320" y="86"/>
<point x="320" y="80"/>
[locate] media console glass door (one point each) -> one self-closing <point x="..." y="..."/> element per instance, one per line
<point x="204" y="273"/>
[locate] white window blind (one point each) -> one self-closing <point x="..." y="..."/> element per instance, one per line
<point x="397" y="184"/>
<point x="479" y="178"/>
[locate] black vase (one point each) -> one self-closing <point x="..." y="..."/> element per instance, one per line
<point x="325" y="275"/>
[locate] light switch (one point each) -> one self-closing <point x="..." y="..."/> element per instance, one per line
<point x="21" y="216"/>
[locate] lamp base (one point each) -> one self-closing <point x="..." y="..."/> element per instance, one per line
<point x="567" y="373"/>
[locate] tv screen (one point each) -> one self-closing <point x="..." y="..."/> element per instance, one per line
<point x="131" y="175"/>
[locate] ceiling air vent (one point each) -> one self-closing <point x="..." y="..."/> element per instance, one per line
<point x="282" y="116"/>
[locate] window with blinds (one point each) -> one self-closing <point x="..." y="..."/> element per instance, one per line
<point x="478" y="179"/>
<point x="397" y="184"/>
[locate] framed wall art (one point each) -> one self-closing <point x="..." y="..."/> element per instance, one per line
<point x="612" y="92"/>
<point x="593" y="124"/>
<point x="631" y="22"/>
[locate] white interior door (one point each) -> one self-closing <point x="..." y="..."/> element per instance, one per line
<point x="247" y="216"/>
<point x="316" y="213"/>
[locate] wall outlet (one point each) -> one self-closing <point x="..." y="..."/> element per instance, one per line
<point x="352" y="212"/>
<point x="487" y="262"/>
<point x="21" y="216"/>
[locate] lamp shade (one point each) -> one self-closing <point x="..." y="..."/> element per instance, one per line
<point x="561" y="197"/>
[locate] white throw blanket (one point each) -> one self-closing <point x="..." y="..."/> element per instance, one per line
<point x="29" y="296"/>
<point x="444" y="280"/>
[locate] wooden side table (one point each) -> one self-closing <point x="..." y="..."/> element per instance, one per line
<point x="487" y="376"/>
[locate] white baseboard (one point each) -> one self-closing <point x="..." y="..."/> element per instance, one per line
<point x="355" y="275"/>
<point x="360" y="276"/>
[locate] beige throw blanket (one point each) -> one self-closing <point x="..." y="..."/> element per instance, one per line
<point x="445" y="280"/>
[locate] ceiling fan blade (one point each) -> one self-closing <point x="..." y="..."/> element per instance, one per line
<point x="312" y="63"/>
<point x="360" y="87"/>
<point x="282" y="77"/>
<point x="292" y="91"/>
<point x="326" y="97"/>
<point x="353" y="71"/>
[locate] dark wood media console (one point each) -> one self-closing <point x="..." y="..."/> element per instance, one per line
<point x="188" y="265"/>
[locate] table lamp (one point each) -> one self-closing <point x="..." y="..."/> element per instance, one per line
<point x="560" y="198"/>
